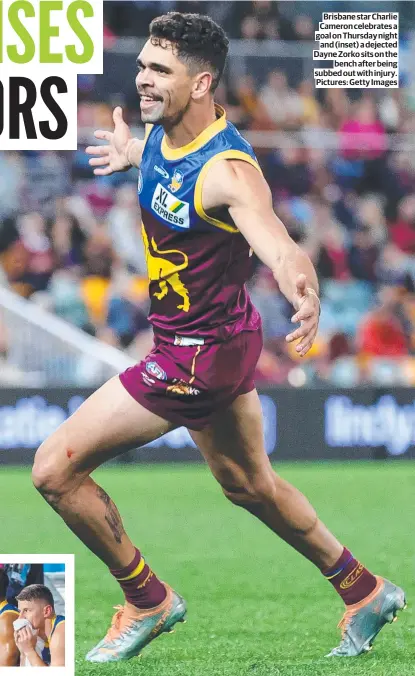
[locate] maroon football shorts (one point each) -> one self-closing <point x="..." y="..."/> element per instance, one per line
<point x="186" y="384"/>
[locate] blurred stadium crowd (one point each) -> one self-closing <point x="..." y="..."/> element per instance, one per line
<point x="71" y="241"/>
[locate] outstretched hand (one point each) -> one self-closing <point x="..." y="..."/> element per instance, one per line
<point x="114" y="156"/>
<point x="307" y="304"/>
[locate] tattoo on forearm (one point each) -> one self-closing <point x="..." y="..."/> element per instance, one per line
<point x="112" y="515"/>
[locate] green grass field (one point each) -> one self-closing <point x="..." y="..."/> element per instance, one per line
<point x="256" y="608"/>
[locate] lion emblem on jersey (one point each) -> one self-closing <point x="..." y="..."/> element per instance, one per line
<point x="164" y="271"/>
<point x="176" y="181"/>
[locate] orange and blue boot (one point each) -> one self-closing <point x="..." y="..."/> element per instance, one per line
<point x="362" y="621"/>
<point x="132" y="629"/>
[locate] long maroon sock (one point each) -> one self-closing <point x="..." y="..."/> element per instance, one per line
<point x="142" y="588"/>
<point x="350" y="578"/>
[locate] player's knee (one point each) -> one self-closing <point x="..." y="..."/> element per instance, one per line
<point x="46" y="474"/>
<point x="238" y="495"/>
<point x="252" y="491"/>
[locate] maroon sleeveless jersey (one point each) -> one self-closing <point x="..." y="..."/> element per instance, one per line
<point x="197" y="263"/>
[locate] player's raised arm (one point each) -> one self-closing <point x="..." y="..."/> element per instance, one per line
<point x="122" y="151"/>
<point x="240" y="186"/>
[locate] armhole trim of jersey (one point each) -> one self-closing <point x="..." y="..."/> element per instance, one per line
<point x="56" y="624"/>
<point x="9" y="610"/>
<point x="224" y="155"/>
<point x="147" y="132"/>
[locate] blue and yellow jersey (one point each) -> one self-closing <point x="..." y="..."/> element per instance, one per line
<point x="57" y="619"/>
<point x="197" y="263"/>
<point x="6" y="607"/>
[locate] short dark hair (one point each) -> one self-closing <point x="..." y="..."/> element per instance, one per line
<point x="197" y="39"/>
<point x="4" y="583"/>
<point x="36" y="592"/>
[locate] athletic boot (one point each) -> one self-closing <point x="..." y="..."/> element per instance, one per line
<point x="132" y="629"/>
<point x="362" y="621"/>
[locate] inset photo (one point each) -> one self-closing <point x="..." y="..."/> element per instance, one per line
<point x="37" y="611"/>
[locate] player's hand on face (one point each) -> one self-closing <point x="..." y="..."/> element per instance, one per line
<point x="307" y="305"/>
<point x="25" y="640"/>
<point x="113" y="156"/>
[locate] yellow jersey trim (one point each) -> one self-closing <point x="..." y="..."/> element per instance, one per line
<point x="3" y="604"/>
<point x="206" y="135"/>
<point x="224" y="155"/>
<point x="54" y="620"/>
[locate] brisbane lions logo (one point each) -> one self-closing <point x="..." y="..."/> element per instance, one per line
<point x="165" y="272"/>
<point x="176" y="181"/>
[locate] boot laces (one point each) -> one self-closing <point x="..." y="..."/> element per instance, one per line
<point x="120" y="621"/>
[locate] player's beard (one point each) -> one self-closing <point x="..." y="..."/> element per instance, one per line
<point x="172" y="120"/>
<point x="155" y="112"/>
<point x="161" y="112"/>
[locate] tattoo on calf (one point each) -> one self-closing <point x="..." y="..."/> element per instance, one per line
<point x="112" y="515"/>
